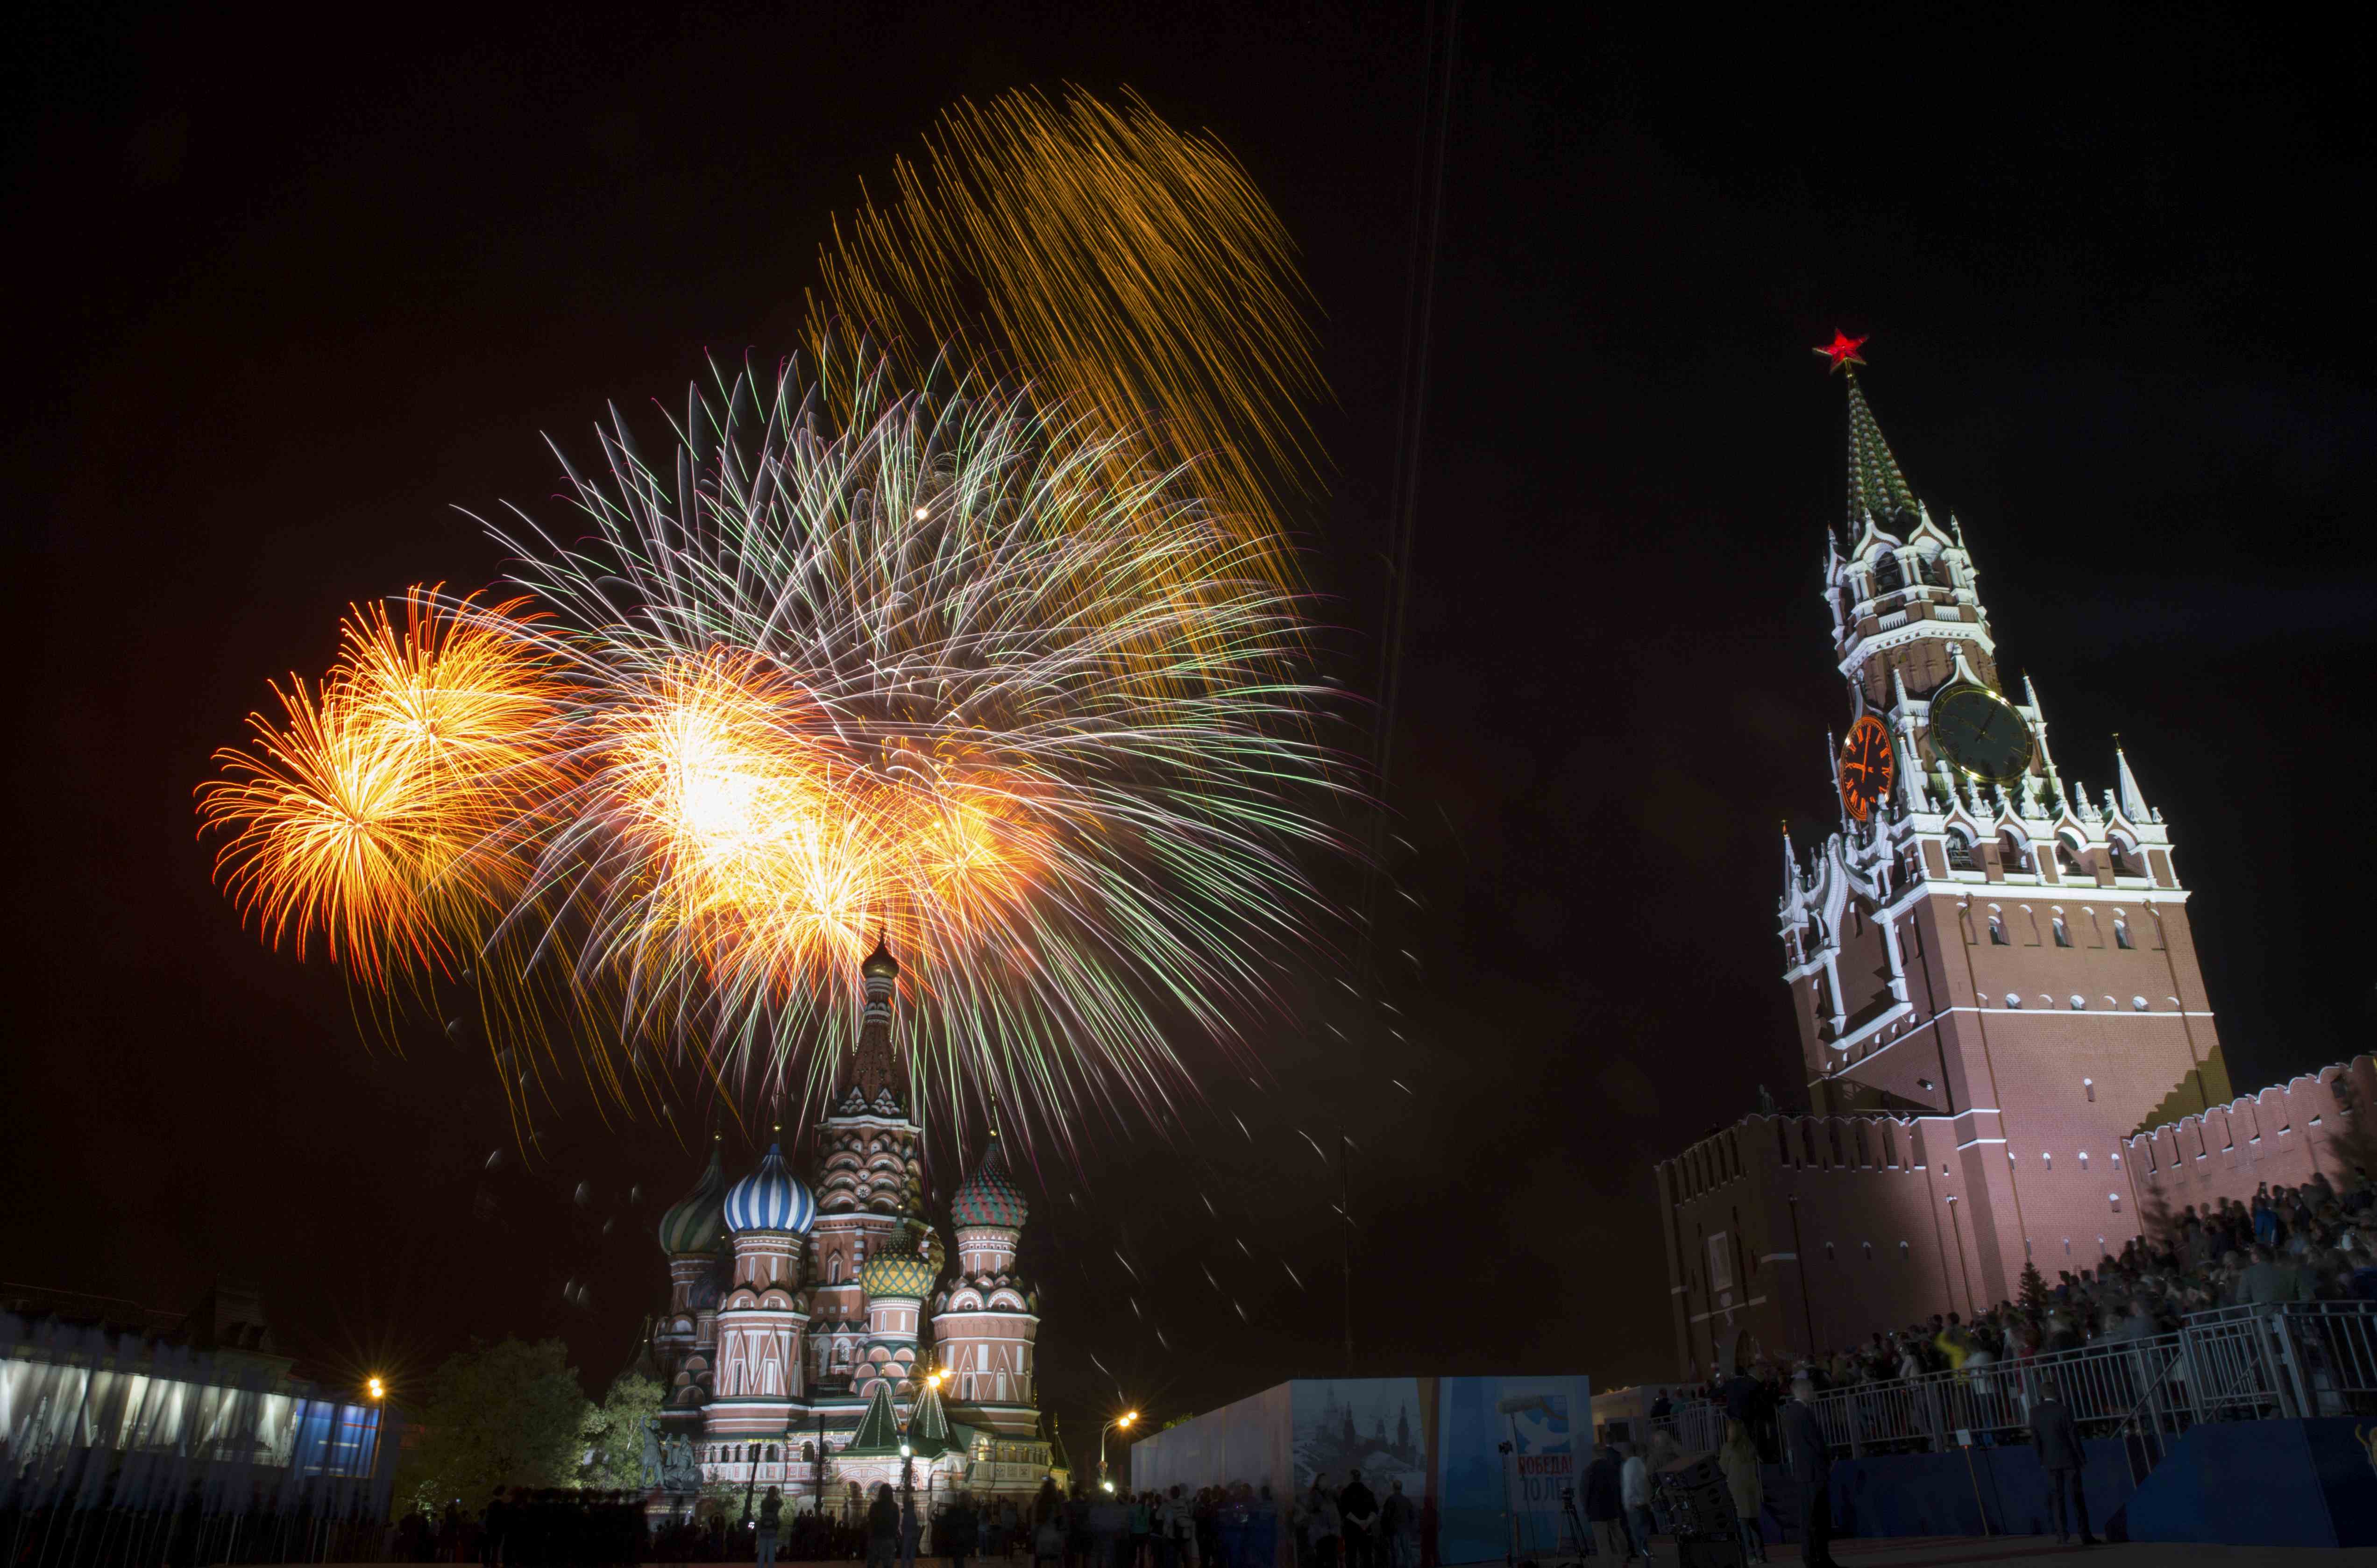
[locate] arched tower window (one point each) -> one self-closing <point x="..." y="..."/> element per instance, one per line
<point x="1997" y="931"/>
<point x="1960" y="852"/>
<point x="2121" y="931"/>
<point x="2063" y="933"/>
<point x="1887" y="576"/>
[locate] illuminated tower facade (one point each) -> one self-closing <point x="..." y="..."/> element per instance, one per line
<point x="1992" y="970"/>
<point x="761" y="1320"/>
<point x="870" y="1186"/>
<point x="692" y="1235"/>
<point x="986" y="1318"/>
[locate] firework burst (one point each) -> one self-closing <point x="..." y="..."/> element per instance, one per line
<point x="983" y="641"/>
<point x="371" y="813"/>
<point x="931" y="676"/>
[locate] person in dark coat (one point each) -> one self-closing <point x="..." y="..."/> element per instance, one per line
<point x="1357" y="1510"/>
<point x="1605" y="1505"/>
<point x="961" y="1528"/>
<point x="1811" y="1466"/>
<point x="2057" y="1437"/>
<point x="882" y="1529"/>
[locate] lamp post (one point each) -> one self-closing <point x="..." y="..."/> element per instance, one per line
<point x="376" y="1389"/>
<point x="1120" y="1423"/>
<point x="908" y="1527"/>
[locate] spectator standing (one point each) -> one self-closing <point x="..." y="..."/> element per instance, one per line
<point x="771" y="1515"/>
<point x="1605" y="1505"/>
<point x="1395" y="1519"/>
<point x="1326" y="1527"/>
<point x="1737" y="1458"/>
<point x="2057" y="1437"/>
<point x="882" y="1529"/>
<point x="1357" y="1508"/>
<point x="1048" y="1534"/>
<point x="1634" y="1491"/>
<point x="1810" y="1466"/>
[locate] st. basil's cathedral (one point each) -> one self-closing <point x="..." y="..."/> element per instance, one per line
<point x="793" y="1349"/>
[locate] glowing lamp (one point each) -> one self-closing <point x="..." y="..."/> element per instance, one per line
<point x="1129" y="1416"/>
<point x="906" y="1452"/>
<point x="376" y="1388"/>
<point x="1108" y="1485"/>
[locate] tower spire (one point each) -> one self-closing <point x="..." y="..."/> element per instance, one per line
<point x="881" y="972"/>
<point x="1878" y="490"/>
<point x="2132" y="798"/>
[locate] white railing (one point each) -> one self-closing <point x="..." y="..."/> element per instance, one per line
<point x="2237" y="1363"/>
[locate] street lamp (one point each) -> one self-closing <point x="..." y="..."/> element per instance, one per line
<point x="376" y="1390"/>
<point x="908" y="1531"/>
<point x="1120" y="1423"/>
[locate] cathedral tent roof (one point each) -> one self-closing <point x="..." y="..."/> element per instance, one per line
<point x="928" y="1429"/>
<point x="878" y="1430"/>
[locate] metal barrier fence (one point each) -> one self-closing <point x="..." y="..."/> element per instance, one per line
<point x="117" y="1448"/>
<point x="2239" y="1363"/>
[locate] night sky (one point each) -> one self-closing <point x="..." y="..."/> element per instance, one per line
<point x="287" y="292"/>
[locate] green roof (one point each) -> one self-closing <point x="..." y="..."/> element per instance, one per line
<point x="929" y="1428"/>
<point x="878" y="1430"/>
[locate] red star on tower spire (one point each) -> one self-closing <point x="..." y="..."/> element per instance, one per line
<point x="1843" y="350"/>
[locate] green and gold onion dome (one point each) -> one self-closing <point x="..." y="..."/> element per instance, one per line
<point x="901" y="1269"/>
<point x="695" y="1222"/>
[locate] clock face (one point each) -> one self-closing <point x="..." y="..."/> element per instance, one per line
<point x="1868" y="767"/>
<point x="1979" y="732"/>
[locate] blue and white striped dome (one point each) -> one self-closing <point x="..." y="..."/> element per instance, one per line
<point x="771" y="1198"/>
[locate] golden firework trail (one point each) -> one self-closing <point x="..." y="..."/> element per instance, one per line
<point x="1123" y="272"/>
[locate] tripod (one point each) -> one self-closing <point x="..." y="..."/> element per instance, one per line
<point x="1572" y="1527"/>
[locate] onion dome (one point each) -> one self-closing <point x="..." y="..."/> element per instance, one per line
<point x="771" y="1198"/>
<point x="901" y="1269"/>
<point x="879" y="964"/>
<point x="692" y="1224"/>
<point x="989" y="1197"/>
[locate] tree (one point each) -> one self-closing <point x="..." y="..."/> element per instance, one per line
<point x="614" y="1433"/>
<point x="2033" y="1300"/>
<point x="503" y="1415"/>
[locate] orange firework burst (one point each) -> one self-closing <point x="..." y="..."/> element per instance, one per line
<point x="777" y="851"/>
<point x="368" y="813"/>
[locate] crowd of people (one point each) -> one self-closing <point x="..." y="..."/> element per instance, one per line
<point x="2307" y="1243"/>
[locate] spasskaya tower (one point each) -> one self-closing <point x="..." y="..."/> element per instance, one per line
<point x="1992" y="970"/>
<point x="1982" y="938"/>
